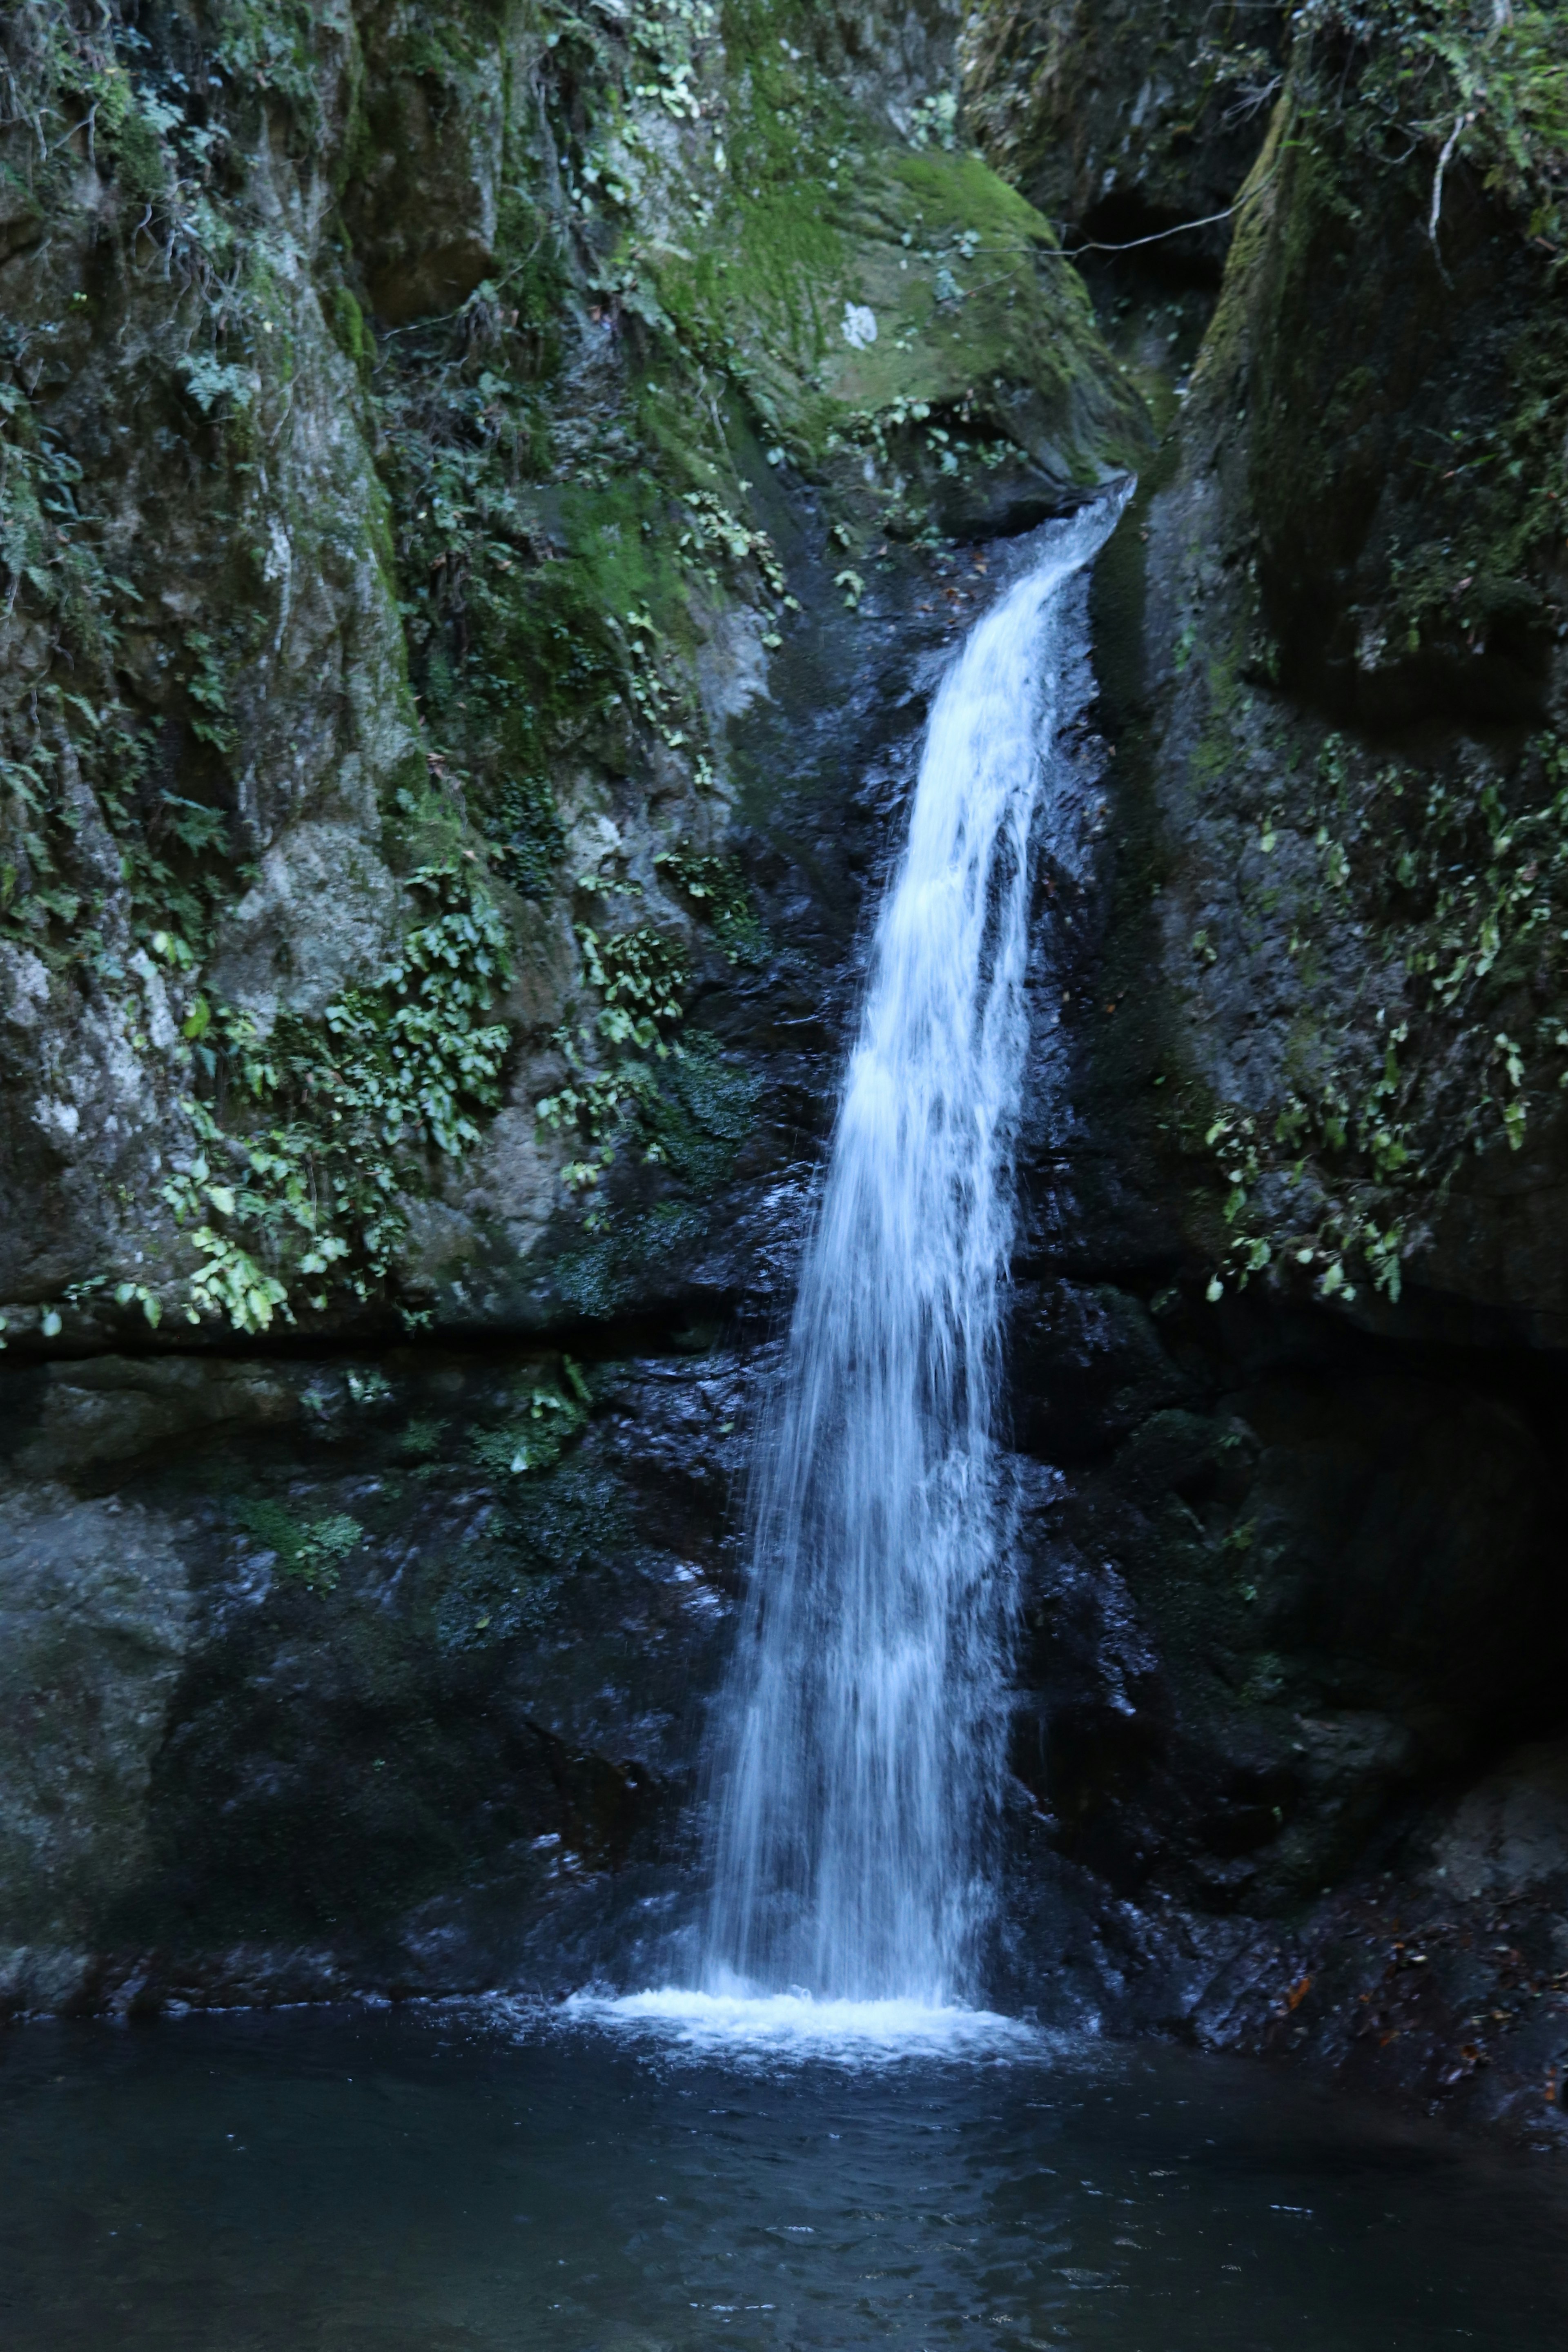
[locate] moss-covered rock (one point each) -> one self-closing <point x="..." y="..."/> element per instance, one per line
<point x="904" y="290"/>
<point x="1288" y="1339"/>
<point x="476" y="331"/>
<point x="345" y="1672"/>
<point x="1361" y="603"/>
<point x="1405" y="419"/>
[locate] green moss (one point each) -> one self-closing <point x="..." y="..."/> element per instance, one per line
<point x="1469" y="484"/>
<point x="703" y="1114"/>
<point x="560" y="1523"/>
<point x="526" y="639"/>
<point x="689" y="1117"/>
<point x="1262" y="203"/>
<point x="349" y="331"/>
<point x="621" y="559"/>
<point x="967" y="291"/>
<point x="820" y="215"/>
<point x="1220" y="749"/>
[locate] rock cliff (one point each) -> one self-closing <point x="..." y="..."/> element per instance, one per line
<point x="484" y="490"/>
<point x="1290" y="1334"/>
<point x="481" y="485"/>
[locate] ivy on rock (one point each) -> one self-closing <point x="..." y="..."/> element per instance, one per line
<point x="302" y="1191"/>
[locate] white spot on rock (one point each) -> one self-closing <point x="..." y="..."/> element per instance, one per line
<point x="859" y="325"/>
<point x="24" y="985"/>
<point x="59" y="1119"/>
<point x="160" y="1020"/>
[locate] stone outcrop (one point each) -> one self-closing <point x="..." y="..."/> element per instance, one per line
<point x="1127" y="120"/>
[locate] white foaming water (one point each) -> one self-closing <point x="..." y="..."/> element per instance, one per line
<point x="859" y="1753"/>
<point x="795" y="2026"/>
<point x="769" y="2029"/>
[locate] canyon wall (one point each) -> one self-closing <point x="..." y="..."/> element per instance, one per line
<point x="486" y="493"/>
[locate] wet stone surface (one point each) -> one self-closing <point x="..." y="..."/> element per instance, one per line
<point x="423" y="1658"/>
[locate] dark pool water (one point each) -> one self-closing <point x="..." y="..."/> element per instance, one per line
<point x="440" y="2181"/>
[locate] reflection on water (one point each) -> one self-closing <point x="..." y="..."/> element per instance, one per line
<point x="445" y="2181"/>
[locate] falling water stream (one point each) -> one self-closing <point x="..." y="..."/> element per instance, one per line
<point x="858" y="1752"/>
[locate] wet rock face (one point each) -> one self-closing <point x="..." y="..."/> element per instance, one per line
<point x="1397" y="343"/>
<point x="93" y="1624"/>
<point x="1287" y="1605"/>
<point x="436" y="439"/>
<point x="324" y="1675"/>
<point x="1291" y="1599"/>
<point x="1288" y="1324"/>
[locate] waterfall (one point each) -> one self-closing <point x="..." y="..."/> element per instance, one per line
<point x="857" y="1755"/>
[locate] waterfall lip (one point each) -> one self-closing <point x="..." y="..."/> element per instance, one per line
<point x="1038" y="498"/>
<point x="801" y="2026"/>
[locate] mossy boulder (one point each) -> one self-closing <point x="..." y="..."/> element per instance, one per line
<point x="908" y="287"/>
<point x="1405" y="419"/>
<point x="892" y="313"/>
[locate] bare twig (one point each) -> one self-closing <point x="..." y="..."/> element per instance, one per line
<point x="86" y="124"/>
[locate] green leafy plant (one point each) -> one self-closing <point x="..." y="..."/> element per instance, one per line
<point x="310" y="1552"/>
<point x="641" y="976"/>
<point x="312" y="1200"/>
<point x="1462" y="867"/>
<point x="719" y="891"/>
<point x="529" y="839"/>
<point x="550" y="1415"/>
<point x="1463" y="77"/>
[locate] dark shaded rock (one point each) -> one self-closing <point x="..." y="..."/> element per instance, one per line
<point x="334" y="1698"/>
<point x="1090" y="1365"/>
<point x="1126" y="120"/>
<point x="1298" y="1595"/>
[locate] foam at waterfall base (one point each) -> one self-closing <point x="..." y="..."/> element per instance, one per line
<point x="798" y="2024"/>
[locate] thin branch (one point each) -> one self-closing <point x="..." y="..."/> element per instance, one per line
<point x="1461" y="123"/>
<point x="1160" y="235"/>
<point x="84" y="124"/>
